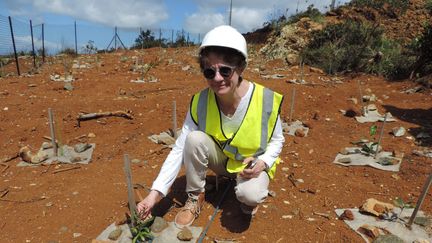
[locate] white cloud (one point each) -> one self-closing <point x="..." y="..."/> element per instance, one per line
<point x="125" y="13"/>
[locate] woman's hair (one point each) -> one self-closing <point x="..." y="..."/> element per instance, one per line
<point x="230" y="56"/>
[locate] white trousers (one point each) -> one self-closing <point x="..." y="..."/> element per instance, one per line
<point x="202" y="153"/>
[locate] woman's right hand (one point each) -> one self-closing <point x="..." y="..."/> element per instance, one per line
<point x="145" y="206"/>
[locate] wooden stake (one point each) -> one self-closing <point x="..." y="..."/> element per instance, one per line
<point x="52" y="130"/>
<point x="361" y="95"/>
<point x="292" y="105"/>
<point x="131" y="195"/>
<point x="174" y="119"/>
<point x="420" y="201"/>
<point x="380" y="137"/>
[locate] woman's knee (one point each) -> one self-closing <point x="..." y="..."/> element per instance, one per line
<point x="195" y="139"/>
<point x="251" y="195"/>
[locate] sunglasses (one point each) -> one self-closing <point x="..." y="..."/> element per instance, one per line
<point x="224" y="71"/>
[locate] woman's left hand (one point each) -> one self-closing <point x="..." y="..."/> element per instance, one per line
<point x="254" y="171"/>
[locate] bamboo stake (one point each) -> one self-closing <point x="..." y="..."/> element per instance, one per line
<point x="52" y="130"/>
<point x="420" y="201"/>
<point x="292" y="105"/>
<point x="361" y="94"/>
<point x="380" y="137"/>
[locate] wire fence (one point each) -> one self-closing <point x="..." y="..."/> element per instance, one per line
<point x="25" y="44"/>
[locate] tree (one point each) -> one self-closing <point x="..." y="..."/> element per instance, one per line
<point x="146" y="39"/>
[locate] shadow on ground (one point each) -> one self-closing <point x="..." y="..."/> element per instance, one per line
<point x="421" y="117"/>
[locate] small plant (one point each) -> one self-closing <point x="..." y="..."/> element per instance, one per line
<point x="90" y="47"/>
<point x="370" y="148"/>
<point x="141" y="230"/>
<point x="399" y="202"/>
<point x="311" y="12"/>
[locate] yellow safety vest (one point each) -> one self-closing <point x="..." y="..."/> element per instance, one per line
<point x="254" y="133"/>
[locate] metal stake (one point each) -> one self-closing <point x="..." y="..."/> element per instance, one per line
<point x="131" y="195"/>
<point x="420" y="201"/>
<point x="380" y="137"/>
<point x="52" y="130"/>
<point x="292" y="105"/>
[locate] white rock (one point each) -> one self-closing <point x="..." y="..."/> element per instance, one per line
<point x="398" y="131"/>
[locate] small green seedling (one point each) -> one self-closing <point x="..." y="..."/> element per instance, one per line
<point x="399" y="202"/>
<point x="141" y="230"/>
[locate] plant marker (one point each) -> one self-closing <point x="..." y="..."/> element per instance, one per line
<point x="52" y="130"/>
<point x="420" y="201"/>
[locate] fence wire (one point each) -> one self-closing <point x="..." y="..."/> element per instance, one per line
<point x="71" y="38"/>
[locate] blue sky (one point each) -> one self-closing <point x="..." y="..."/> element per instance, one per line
<point x="193" y="16"/>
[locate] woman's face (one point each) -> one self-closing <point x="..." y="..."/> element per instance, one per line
<point x="221" y="77"/>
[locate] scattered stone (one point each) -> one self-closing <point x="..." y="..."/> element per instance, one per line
<point x="395" y="176"/>
<point x="46" y="145"/>
<point x="160" y="224"/>
<point x="115" y="234"/>
<point x="272" y="193"/>
<point x="299" y="132"/>
<point x="398" y="131"/>
<point x="316" y="70"/>
<point x="185" y="235"/>
<point x="91" y="135"/>
<point x="345" y="160"/>
<point x="32" y="85"/>
<point x="287" y="216"/>
<point x="136" y="161"/>
<point x="347" y="215"/>
<point x="76" y="235"/>
<point x="186" y="68"/>
<point x="285" y="169"/>
<point x="375" y="207"/>
<point x="388" y="239"/>
<point x="68" y="86"/>
<point x="369" y="230"/>
<point x="354" y="100"/>
<point x="81" y="147"/>
<point x="423" y="221"/>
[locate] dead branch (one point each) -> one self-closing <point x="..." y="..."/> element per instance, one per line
<point x="66" y="169"/>
<point x="4" y="192"/>
<point x="7" y="159"/>
<point x="324" y="215"/>
<point x="292" y="179"/>
<point x="24" y="201"/>
<point x="89" y="116"/>
<point x="5" y="167"/>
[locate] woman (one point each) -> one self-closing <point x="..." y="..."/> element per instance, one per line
<point x="233" y="128"/>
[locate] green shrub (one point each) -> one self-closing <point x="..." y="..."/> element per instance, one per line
<point x="421" y="48"/>
<point x="393" y="61"/>
<point x="311" y="12"/>
<point x="68" y="51"/>
<point x="342" y="47"/>
<point x="428" y="6"/>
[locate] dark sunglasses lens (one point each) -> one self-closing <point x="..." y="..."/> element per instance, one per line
<point x="225" y="72"/>
<point x="209" y="73"/>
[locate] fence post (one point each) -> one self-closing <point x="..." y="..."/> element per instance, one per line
<point x="14" y="47"/>
<point x="33" y="50"/>
<point x="43" y="43"/>
<point x="76" y="42"/>
<point x="115" y="38"/>
<point x="172" y="37"/>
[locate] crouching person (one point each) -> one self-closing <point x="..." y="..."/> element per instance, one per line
<point x="233" y="128"/>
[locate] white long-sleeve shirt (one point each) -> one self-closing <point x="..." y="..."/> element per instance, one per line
<point x="174" y="160"/>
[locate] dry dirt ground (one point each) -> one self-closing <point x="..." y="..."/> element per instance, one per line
<point x="76" y="205"/>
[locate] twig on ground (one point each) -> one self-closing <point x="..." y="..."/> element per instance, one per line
<point x="89" y="116"/>
<point x="24" y="201"/>
<point x="325" y="215"/>
<point x="4" y="192"/>
<point x="66" y="169"/>
<point x="5" y="167"/>
<point x="292" y="179"/>
<point x="7" y="159"/>
<point x="378" y="193"/>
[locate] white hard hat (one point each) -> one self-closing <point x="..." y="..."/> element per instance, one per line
<point x="225" y="36"/>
